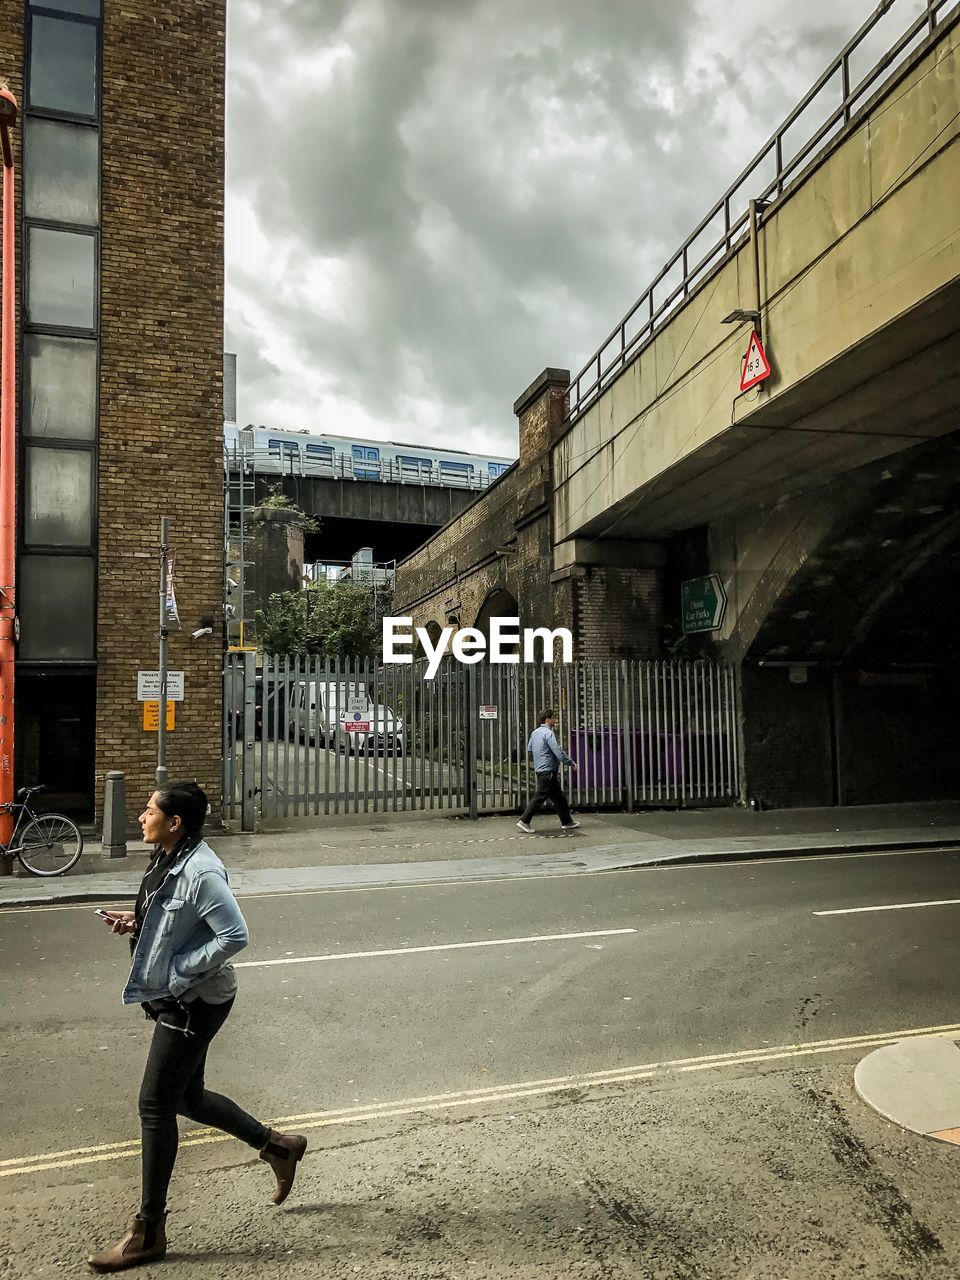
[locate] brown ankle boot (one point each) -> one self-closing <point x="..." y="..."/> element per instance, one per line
<point x="130" y="1251"/>
<point x="293" y="1146"/>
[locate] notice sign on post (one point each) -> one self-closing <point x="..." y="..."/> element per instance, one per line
<point x="148" y="686"/>
<point x="703" y="603"/>
<point x="355" y="724"/>
<point x="151" y="716"/>
<point x="488" y="713"/>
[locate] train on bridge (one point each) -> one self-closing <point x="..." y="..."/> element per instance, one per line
<point x="303" y="453"/>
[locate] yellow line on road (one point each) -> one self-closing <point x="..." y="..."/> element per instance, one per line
<point x="52" y="1160"/>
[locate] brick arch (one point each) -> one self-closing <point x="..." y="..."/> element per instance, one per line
<point x="433" y="629"/>
<point x="849" y="633"/>
<point x="819" y="577"/>
<point x="498" y="603"/>
<point x="773" y="553"/>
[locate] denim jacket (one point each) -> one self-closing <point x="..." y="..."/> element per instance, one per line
<point x="192" y="926"/>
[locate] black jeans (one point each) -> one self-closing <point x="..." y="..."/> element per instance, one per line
<point x="173" y="1085"/>
<point x="548" y="788"/>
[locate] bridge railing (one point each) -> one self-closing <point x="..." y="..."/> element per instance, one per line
<point x="343" y="466"/>
<point x="728" y="219"/>
<point x="379" y="573"/>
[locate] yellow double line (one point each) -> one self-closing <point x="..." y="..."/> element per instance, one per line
<point x="24" y="1165"/>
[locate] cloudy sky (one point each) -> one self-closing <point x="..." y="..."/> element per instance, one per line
<point x="428" y="201"/>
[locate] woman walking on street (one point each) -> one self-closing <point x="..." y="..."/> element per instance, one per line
<point x="184" y="929"/>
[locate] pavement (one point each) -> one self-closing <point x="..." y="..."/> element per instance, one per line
<point x="915" y="1083"/>
<point x="409" y="848"/>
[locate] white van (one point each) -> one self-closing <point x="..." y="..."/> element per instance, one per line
<point x="327" y="710"/>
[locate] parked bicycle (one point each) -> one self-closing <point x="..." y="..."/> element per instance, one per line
<point x="49" y="844"/>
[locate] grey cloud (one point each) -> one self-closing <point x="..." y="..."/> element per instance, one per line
<point x="500" y="181"/>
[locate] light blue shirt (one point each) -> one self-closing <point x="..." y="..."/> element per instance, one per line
<point x="547" y="752"/>
<point x="191" y="928"/>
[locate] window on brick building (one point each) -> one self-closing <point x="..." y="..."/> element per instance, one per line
<point x="59" y="387"/>
<point x="87" y="8"/>
<point x="56" y="723"/>
<point x="63" y="65"/>
<point x="61" y="172"/>
<point x="56" y="605"/>
<point x="56" y="658"/>
<point x="58" y="497"/>
<point x="61" y="278"/>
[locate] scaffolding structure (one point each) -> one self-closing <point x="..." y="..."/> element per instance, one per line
<point x="238" y="504"/>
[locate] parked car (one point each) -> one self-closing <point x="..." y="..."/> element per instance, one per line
<point x="325" y="710"/>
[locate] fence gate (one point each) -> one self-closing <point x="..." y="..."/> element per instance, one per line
<point x="642" y="733"/>
<point x="307" y="736"/>
<point x="351" y="736"/>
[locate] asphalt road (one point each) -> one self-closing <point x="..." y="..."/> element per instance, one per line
<point x="668" y="1093"/>
<point x="301" y="776"/>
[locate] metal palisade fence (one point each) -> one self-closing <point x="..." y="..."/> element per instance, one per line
<point x="309" y="736"/>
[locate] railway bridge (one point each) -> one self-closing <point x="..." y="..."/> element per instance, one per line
<point x="823" y="499"/>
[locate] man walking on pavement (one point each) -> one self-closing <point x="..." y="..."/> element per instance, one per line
<point x="548" y="755"/>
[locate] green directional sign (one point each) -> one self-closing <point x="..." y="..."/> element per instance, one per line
<point x="703" y="602"/>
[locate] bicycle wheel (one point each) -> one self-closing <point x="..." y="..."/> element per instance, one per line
<point x="50" y="845"/>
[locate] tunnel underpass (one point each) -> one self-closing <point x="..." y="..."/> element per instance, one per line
<point x="338" y="539"/>
<point x="851" y="685"/>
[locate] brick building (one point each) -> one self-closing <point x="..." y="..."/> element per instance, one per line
<point x="120" y="155"/>
<point x="497" y="558"/>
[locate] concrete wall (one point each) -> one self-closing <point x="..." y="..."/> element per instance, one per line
<point x="788" y="740"/>
<point x="845" y="737"/>
<point x="898" y="741"/>
<point x="373" y="501"/>
<point x="856" y="262"/>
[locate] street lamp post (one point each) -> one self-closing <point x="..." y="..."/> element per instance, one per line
<point x="8" y="469"/>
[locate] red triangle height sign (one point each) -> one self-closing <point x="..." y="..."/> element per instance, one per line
<point x="756" y="366"/>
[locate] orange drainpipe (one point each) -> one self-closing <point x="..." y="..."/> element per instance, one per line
<point x="8" y="473"/>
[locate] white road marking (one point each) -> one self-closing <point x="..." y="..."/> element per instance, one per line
<point x="440" y="946"/>
<point x="51" y="1160"/>
<point x="890" y="906"/>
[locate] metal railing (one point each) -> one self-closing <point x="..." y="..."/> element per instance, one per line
<point x="642" y="733"/>
<point x="383" y="573"/>
<point x="643" y="319"/>
<point x="307" y="737"/>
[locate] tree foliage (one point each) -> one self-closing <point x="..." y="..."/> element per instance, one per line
<point x="327" y="619"/>
<point x="276" y="500"/>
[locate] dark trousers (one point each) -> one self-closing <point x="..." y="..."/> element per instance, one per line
<point x="173" y="1085"/>
<point x="548" y="788"/>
